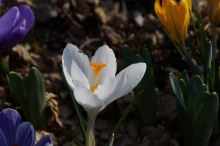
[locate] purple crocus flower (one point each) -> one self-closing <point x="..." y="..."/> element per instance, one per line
<point x="15" y="133"/>
<point x="14" y="25"/>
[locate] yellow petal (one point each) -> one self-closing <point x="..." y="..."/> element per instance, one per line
<point x="160" y="12"/>
<point x="173" y="18"/>
<point x="185" y="17"/>
<point x="189" y="2"/>
<point x="214" y="11"/>
<point x="165" y="2"/>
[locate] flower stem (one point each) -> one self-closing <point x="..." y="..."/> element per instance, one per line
<point x="214" y="40"/>
<point x="90" y="133"/>
<point x="190" y="62"/>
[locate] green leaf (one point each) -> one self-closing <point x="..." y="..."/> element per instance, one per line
<point x="208" y="56"/>
<point x="177" y="91"/>
<point x="212" y="87"/>
<point x="11" y="90"/>
<point x="181" y="91"/>
<point x="185" y="77"/>
<point x="199" y="108"/>
<point x="217" y="86"/>
<point x="111" y="140"/>
<point x="195" y="30"/>
<point x="193" y="90"/>
<point x="209" y="68"/>
<point x="202" y="89"/>
<point x="208" y="78"/>
<point x="128" y="55"/>
<point x="206" y="120"/>
<point x="149" y="96"/>
<point x="184" y="90"/>
<point x="203" y="43"/>
<point x="210" y="82"/>
<point x="71" y="137"/>
<point x="142" y="101"/>
<point x="35" y="91"/>
<point x="184" y="85"/>
<point x="17" y="85"/>
<point x="184" y="122"/>
<point x="3" y="65"/>
<point x="123" y="117"/>
<point x="213" y="115"/>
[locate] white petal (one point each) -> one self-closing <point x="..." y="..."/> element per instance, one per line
<point x="78" y="77"/>
<point x="89" y="101"/>
<point x="67" y="74"/>
<point x="134" y="74"/>
<point x="70" y="53"/>
<point x="105" y="55"/>
<point x="109" y="88"/>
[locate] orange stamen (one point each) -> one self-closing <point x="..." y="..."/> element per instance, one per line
<point x="96" y="68"/>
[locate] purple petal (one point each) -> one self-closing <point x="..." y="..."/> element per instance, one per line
<point x="2" y="138"/>
<point x="10" y="119"/>
<point x="25" y="135"/>
<point x="20" y="29"/>
<point x="45" y="141"/>
<point x="13" y="38"/>
<point x="25" y="14"/>
<point x="8" y="21"/>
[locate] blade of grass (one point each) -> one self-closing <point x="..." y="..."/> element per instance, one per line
<point x="175" y="45"/>
<point x="190" y="63"/>
<point x="70" y="136"/>
<point x="194" y="28"/>
<point x="190" y="45"/>
<point x="110" y="142"/>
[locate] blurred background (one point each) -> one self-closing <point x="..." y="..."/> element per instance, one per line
<point x="89" y="24"/>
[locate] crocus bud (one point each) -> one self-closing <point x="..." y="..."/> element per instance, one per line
<point x="174" y="17"/>
<point x="14" y="25"/>
<point x="214" y="11"/>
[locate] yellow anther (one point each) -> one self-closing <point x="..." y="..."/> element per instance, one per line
<point x="96" y="68"/>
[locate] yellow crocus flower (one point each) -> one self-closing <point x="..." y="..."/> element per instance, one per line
<point x="175" y="17"/>
<point x="214" y="11"/>
<point x="189" y="4"/>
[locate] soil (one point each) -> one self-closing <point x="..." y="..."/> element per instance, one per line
<point x="89" y="24"/>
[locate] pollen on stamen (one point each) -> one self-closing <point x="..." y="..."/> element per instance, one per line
<point x="96" y="68"/>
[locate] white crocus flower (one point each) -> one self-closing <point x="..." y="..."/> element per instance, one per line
<point x="94" y="83"/>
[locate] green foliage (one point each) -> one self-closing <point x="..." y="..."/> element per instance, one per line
<point x="30" y="94"/>
<point x="3" y="65"/>
<point x="76" y="142"/>
<point x="148" y="100"/>
<point x="197" y="109"/>
<point x="121" y="120"/>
